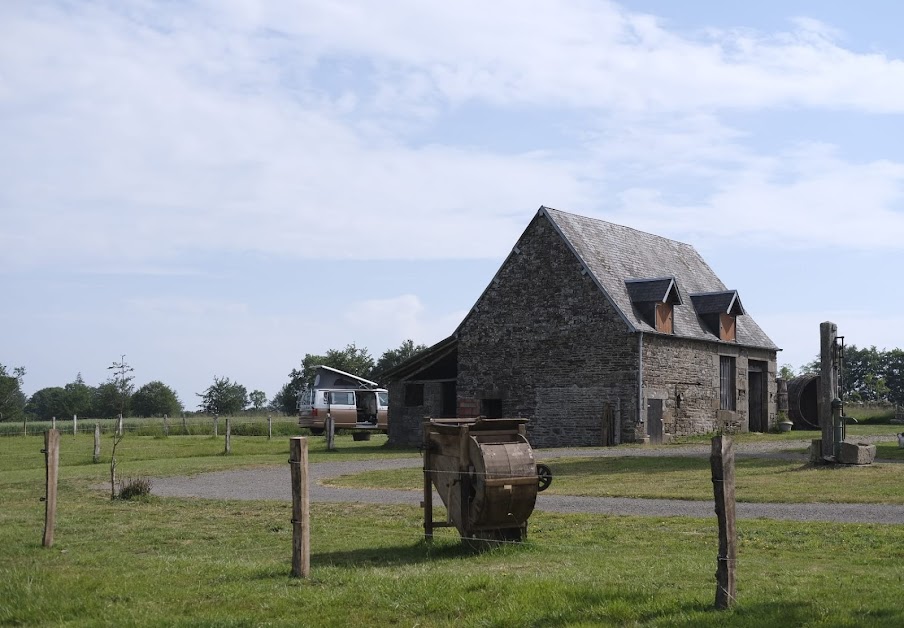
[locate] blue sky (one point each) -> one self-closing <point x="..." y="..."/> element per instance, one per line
<point x="218" y="188"/>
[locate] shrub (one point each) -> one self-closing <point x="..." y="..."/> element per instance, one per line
<point x="135" y="488"/>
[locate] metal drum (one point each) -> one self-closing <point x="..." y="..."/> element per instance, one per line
<point x="486" y="475"/>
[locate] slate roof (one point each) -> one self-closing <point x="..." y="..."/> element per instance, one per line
<point x="726" y="302"/>
<point x="613" y="253"/>
<point x="652" y="290"/>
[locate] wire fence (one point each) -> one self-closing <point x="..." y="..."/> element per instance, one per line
<point x="279" y="425"/>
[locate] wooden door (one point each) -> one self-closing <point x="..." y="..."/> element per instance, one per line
<point x="654" y="420"/>
<point x="756" y="408"/>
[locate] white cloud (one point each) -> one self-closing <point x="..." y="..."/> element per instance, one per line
<point x="137" y="136"/>
<point x="399" y="318"/>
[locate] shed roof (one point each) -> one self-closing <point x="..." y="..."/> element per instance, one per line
<point x="613" y="253"/>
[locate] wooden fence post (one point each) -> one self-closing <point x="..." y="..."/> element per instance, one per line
<point x="428" y="486"/>
<point x="165" y="425"/>
<point x="119" y="426"/>
<point x="74" y="424"/>
<point x="330" y="426"/>
<point x="269" y="427"/>
<point x="301" y="507"/>
<point x="216" y="426"/>
<point x="96" y="443"/>
<point x="184" y="426"/>
<point x="53" y="423"/>
<point x="722" y="463"/>
<point x="25" y="425"/>
<point x="52" y="463"/>
<point x="228" y="449"/>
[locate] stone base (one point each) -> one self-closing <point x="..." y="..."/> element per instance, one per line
<point x="859" y="453"/>
<point x="851" y="453"/>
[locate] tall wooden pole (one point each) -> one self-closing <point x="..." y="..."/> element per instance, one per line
<point x="228" y="449"/>
<point x="428" y="485"/>
<point x="216" y="421"/>
<point x="96" y="457"/>
<point x="301" y="507"/>
<point x="269" y="427"/>
<point x="827" y="386"/>
<point x="165" y="425"/>
<point x="722" y="463"/>
<point x="52" y="463"/>
<point x="74" y="424"/>
<point x="330" y="432"/>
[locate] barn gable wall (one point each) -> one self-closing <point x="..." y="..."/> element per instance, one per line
<point x="547" y="344"/>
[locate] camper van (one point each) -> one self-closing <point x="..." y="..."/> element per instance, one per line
<point x="353" y="402"/>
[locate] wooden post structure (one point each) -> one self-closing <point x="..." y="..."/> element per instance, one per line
<point x="165" y="425"/>
<point x="228" y="448"/>
<point x="96" y="457"/>
<point x="269" y="427"/>
<point x="53" y="423"/>
<point x="216" y="426"/>
<point x="330" y="432"/>
<point x="74" y="424"/>
<point x="25" y="426"/>
<point x="184" y="426"/>
<point x="722" y="463"/>
<point x="301" y="507"/>
<point x="119" y="426"/>
<point x="428" y="486"/>
<point x="828" y="383"/>
<point x="52" y="462"/>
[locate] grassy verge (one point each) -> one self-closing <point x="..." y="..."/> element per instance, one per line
<point x="757" y="480"/>
<point x="182" y="562"/>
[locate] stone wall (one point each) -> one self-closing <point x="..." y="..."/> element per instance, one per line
<point x="545" y="341"/>
<point x="405" y="421"/>
<point x="689" y="369"/>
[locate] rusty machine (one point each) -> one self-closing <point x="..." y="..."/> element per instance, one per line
<point x="486" y="475"/>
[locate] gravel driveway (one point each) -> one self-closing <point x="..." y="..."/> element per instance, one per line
<point x="274" y="483"/>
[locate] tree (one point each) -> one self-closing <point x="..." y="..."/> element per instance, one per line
<point x="351" y="359"/>
<point x="786" y="372"/>
<point x="393" y="357"/>
<point x="12" y="399"/>
<point x="258" y="399"/>
<point x="105" y="404"/>
<point x="223" y="397"/>
<point x="47" y="403"/>
<point x="894" y="375"/>
<point x="286" y="400"/>
<point x="123" y="382"/>
<point x="155" y="399"/>
<point x="78" y="397"/>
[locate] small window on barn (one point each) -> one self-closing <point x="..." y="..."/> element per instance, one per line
<point x="727" y="327"/>
<point x="414" y="395"/>
<point x="727" y="384"/>
<point x="719" y="312"/>
<point x="664" y="317"/>
<point x="654" y="301"/>
<point x="491" y="408"/>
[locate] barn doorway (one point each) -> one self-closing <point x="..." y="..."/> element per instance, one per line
<point x="757" y="420"/>
<point x="654" y="420"/>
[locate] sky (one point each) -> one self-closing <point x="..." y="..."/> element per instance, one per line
<point x="214" y="188"/>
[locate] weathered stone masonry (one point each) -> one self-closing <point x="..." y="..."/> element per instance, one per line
<point x="545" y="341"/>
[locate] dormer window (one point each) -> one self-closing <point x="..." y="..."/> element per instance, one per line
<point x="655" y="300"/>
<point x="719" y="312"/>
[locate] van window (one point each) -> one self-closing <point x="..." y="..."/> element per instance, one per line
<point x="305" y="397"/>
<point x="342" y="398"/>
<point x="384" y="398"/>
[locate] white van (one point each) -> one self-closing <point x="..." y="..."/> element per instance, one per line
<point x="352" y="401"/>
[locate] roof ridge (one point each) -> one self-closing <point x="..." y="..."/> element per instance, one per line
<point x="647" y="233"/>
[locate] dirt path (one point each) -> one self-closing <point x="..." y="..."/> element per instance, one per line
<point x="273" y="483"/>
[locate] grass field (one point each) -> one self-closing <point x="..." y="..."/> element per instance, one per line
<point x="184" y="562"/>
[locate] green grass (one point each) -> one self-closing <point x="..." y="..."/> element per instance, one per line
<point x="757" y="480"/>
<point x="182" y="562"/>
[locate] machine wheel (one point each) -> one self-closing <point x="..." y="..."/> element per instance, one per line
<point x="544" y="477"/>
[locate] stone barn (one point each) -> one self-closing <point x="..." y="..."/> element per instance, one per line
<point x="598" y="334"/>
